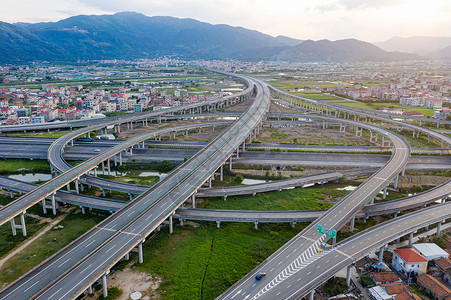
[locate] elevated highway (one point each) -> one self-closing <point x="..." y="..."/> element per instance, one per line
<point x="130" y="226"/>
<point x="306" y="274"/>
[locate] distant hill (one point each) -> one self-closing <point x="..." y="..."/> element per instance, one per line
<point x="349" y="50"/>
<point x="423" y="45"/>
<point x="132" y="35"/>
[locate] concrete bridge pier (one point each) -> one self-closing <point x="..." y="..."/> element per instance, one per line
<point x="256" y="224"/>
<point x="311" y="296"/>
<point x="218" y="223"/>
<point x="140" y="252"/>
<point x="439" y="225"/>
<point x="352" y="224"/>
<point x="348" y="275"/>
<point x="381" y="254"/>
<point x="410" y="239"/>
<point x="171" y="227"/>
<point x="21" y="226"/>
<point x="76" y="186"/>
<point x="104" y="286"/>
<point x="385" y="193"/>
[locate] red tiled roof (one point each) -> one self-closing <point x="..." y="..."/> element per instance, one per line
<point x="385" y="277"/>
<point x="410" y="255"/>
<point x="394" y="287"/>
<point x="443" y="263"/>
<point x="433" y="285"/>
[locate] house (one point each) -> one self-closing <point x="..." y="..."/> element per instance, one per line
<point x="433" y="286"/>
<point x="412" y="113"/>
<point x="23" y="120"/>
<point x="409" y="262"/>
<point x="138" y="108"/>
<point x="37" y="120"/>
<point x="384" y="277"/>
<point x="5" y="112"/>
<point x="433" y="103"/>
<point x="443" y="263"/>
<point x="430" y="251"/>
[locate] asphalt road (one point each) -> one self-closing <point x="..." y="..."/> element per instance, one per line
<point x="306" y="242"/>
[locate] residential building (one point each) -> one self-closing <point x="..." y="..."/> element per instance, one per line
<point x="430" y="251"/>
<point x="384" y="277"/>
<point x="409" y="262"/>
<point x="433" y="286"/>
<point x="138" y="108"/>
<point x="23" y="112"/>
<point x="37" y="120"/>
<point x="23" y="120"/>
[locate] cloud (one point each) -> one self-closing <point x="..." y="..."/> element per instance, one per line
<point x="358" y="4"/>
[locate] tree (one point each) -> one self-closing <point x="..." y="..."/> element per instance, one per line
<point x="238" y="178"/>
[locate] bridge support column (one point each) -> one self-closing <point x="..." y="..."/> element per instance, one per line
<point x="221" y="172"/>
<point x="385" y="193"/>
<point x="171" y="228"/>
<point x="218" y="223"/>
<point x="193" y="200"/>
<point x="21" y="226"/>
<point x="439" y="225"/>
<point x="209" y="182"/>
<point x="109" y="167"/>
<point x="352" y="224"/>
<point x="120" y="158"/>
<point x="104" y="286"/>
<point x="140" y="253"/>
<point x="395" y="185"/>
<point x="76" y="186"/>
<point x="127" y="256"/>
<point x="396" y="214"/>
<point x="348" y="275"/>
<point x="381" y="254"/>
<point x="403" y="172"/>
<point x="410" y="239"/>
<point x="256" y="224"/>
<point x="230" y="163"/>
<point x="311" y="296"/>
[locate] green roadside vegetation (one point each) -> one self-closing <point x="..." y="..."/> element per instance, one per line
<point x="351" y="103"/>
<point x="46" y="245"/>
<point x="203" y="262"/>
<point x="20" y="166"/>
<point x="8" y="241"/>
<point x="40" y="134"/>
<point x="133" y="179"/>
<point x="293" y="199"/>
<point x="164" y="166"/>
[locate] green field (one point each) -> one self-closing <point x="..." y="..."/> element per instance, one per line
<point x="351" y="104"/>
<point x="202" y="262"/>
<point x="51" y="242"/>
<point x="41" y="134"/>
<point x="18" y="166"/>
<point x="293" y="199"/>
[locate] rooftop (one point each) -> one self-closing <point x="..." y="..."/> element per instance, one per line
<point x="410" y="255"/>
<point x="433" y="285"/>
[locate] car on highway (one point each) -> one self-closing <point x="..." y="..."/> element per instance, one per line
<point x="96" y="150"/>
<point x="260" y="276"/>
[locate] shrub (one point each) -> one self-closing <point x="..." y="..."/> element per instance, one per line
<point x="238" y="178"/>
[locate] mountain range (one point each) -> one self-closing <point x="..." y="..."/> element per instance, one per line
<point x="130" y="35"/>
<point x="431" y="46"/>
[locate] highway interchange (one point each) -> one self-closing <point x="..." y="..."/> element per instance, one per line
<point x="130" y="225"/>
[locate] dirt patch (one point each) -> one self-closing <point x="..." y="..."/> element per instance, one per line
<point x="239" y="107"/>
<point x="130" y="281"/>
<point x="275" y="108"/>
<point x="424" y="180"/>
<point x="309" y="136"/>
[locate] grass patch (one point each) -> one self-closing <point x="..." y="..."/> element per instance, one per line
<point x="44" y="134"/>
<point x="45" y="246"/>
<point x="113" y="293"/>
<point x="335" y="286"/>
<point x="21" y="166"/>
<point x="8" y="241"/>
<point x="294" y="199"/>
<point x="202" y="262"/>
<point x="133" y="179"/>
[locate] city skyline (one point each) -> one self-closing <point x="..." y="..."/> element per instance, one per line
<point x="326" y="19"/>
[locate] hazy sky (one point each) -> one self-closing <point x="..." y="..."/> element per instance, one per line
<point x="369" y="20"/>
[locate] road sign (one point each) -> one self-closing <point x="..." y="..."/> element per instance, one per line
<point x="320" y="229"/>
<point x="332" y="233"/>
